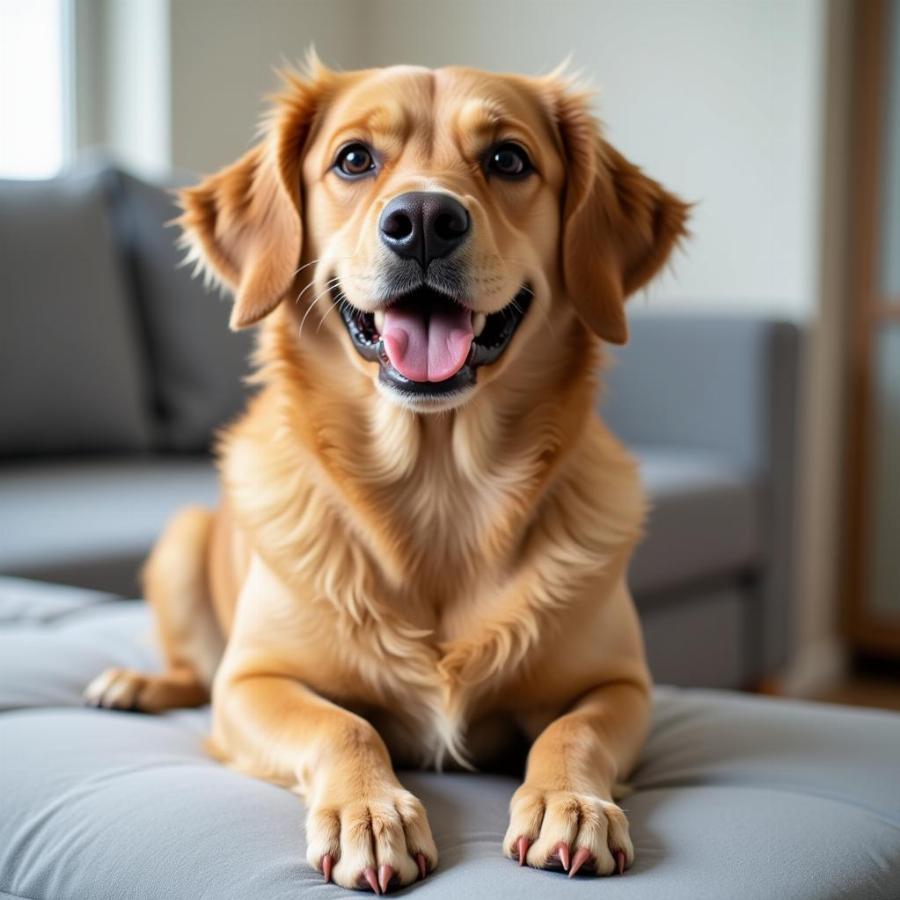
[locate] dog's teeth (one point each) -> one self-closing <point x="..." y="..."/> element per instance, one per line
<point x="379" y="321"/>
<point x="479" y="320"/>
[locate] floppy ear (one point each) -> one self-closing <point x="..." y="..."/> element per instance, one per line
<point x="243" y="224"/>
<point x="619" y="226"/>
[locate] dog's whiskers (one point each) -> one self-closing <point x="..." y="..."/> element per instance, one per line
<point x="330" y="284"/>
<point x="312" y="262"/>
<point x="340" y="301"/>
<point x="304" y="290"/>
<point x="318" y="259"/>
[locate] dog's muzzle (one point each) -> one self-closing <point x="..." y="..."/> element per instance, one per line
<point x="428" y="343"/>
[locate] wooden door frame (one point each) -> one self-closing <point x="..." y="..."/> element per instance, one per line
<point x="863" y="628"/>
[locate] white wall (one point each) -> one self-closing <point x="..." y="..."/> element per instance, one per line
<point x="223" y="56"/>
<point x="122" y="84"/>
<point x="137" y="83"/>
<point x="719" y="99"/>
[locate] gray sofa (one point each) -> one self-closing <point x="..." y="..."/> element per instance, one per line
<point x="116" y="367"/>
<point x="734" y="797"/>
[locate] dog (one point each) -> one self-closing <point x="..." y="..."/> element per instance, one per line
<point x="420" y="554"/>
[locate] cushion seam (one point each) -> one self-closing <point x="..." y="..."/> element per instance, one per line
<point x="8" y="896"/>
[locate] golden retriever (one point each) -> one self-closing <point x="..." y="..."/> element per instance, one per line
<point x="420" y="553"/>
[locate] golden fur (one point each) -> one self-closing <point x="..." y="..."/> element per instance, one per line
<point x="392" y="585"/>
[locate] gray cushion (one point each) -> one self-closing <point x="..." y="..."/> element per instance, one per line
<point x="734" y="797"/>
<point x="32" y="602"/>
<point x="197" y="363"/>
<point x="70" y="362"/>
<point x="91" y="522"/>
<point x="704" y="519"/>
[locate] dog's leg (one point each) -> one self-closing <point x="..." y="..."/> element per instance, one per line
<point x="563" y="814"/>
<point x="176" y="587"/>
<point x="363" y="829"/>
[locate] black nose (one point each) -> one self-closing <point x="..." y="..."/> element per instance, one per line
<point x="424" y="225"/>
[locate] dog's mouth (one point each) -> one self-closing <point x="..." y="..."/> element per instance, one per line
<point x="427" y="343"/>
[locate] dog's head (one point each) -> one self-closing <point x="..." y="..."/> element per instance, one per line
<point x="455" y="218"/>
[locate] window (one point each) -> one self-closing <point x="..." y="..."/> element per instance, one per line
<point x="34" y="84"/>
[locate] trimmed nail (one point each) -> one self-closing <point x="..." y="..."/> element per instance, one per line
<point x="327" y="865"/>
<point x="422" y="863"/>
<point x="620" y="861"/>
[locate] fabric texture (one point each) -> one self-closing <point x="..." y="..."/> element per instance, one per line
<point x="704" y="519"/>
<point x="698" y="637"/>
<point x="701" y="382"/>
<point x="197" y="363"/>
<point x="92" y="522"/>
<point x="71" y="366"/>
<point x="734" y="797"/>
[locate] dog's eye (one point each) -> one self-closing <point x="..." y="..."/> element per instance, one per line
<point x="509" y="161"/>
<point x="354" y="161"/>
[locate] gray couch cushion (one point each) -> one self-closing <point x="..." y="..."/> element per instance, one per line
<point x="92" y="522"/>
<point x="197" y="363"/>
<point x="734" y="796"/>
<point x="27" y="602"/>
<point x="704" y="519"/>
<point x="71" y="367"/>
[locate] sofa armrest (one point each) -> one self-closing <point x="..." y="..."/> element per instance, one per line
<point x="726" y="385"/>
<point x="719" y="383"/>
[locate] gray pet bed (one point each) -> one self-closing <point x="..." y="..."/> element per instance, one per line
<point x="735" y="797"/>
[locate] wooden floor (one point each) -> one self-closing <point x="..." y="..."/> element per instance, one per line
<point x="865" y="690"/>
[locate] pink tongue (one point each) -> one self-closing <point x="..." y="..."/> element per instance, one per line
<point x="424" y="348"/>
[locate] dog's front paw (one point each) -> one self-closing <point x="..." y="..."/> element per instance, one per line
<point x="378" y="842"/>
<point x="568" y="830"/>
